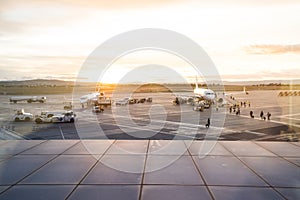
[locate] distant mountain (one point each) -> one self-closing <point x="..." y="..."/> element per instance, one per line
<point x="36" y="82"/>
<point x="265" y="82"/>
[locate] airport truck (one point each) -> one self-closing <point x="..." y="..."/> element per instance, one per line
<point x="22" y="116"/>
<point x="103" y="101"/>
<point x="64" y="117"/>
<point x="29" y="99"/>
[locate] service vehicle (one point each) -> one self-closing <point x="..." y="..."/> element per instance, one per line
<point x="122" y="102"/>
<point x="45" y="117"/>
<point x="29" y="99"/>
<point x="21" y="115"/>
<point x="97" y="109"/>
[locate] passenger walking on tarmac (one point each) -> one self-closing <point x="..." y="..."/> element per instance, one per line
<point x="238" y="112"/>
<point x="268" y="115"/>
<point x="230" y="109"/>
<point x="208" y="123"/>
<point x="261" y="114"/>
<point x="251" y="114"/>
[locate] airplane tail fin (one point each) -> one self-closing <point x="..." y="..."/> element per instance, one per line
<point x="196" y="83"/>
<point x="98" y="89"/>
<point x="245" y="91"/>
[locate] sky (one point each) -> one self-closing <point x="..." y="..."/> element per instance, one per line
<point x="246" y="40"/>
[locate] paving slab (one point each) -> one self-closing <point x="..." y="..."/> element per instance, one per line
<point x="37" y="192"/>
<point x="219" y="170"/>
<point x="171" y="170"/>
<point x="129" y="147"/>
<point x="106" y="175"/>
<point x="106" y="192"/>
<point x="290" y="193"/>
<point x="275" y="170"/>
<point x="128" y="163"/>
<point x="167" y="147"/>
<point x="171" y="192"/>
<point x="63" y="170"/>
<point x="20" y="166"/>
<point x="282" y="148"/>
<point x="203" y="148"/>
<point x="18" y="146"/>
<point x="246" y="148"/>
<point x="51" y="147"/>
<point x="89" y="147"/>
<point x="245" y="193"/>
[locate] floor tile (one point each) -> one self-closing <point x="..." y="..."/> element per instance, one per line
<point x="90" y="147"/>
<point x="171" y="170"/>
<point x="127" y="163"/>
<point x="106" y="192"/>
<point x="106" y="175"/>
<point x="167" y="147"/>
<point x="18" y="167"/>
<point x="296" y="143"/>
<point x="2" y="188"/>
<point x="282" y="148"/>
<point x="246" y="148"/>
<point x="245" y="193"/>
<point x="52" y="147"/>
<point x="290" y="193"/>
<point x="17" y="146"/>
<point x="296" y="161"/>
<point x="219" y="170"/>
<point x="37" y="192"/>
<point x="63" y="170"/>
<point x="129" y="147"/>
<point x="166" y="192"/>
<point x="203" y="148"/>
<point x="4" y="157"/>
<point x="274" y="170"/>
<point x="3" y="141"/>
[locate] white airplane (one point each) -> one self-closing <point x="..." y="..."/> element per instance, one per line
<point x="204" y="93"/>
<point x="210" y="95"/>
<point x="199" y="93"/>
<point x="88" y="98"/>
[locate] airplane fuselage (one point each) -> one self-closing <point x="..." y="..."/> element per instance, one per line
<point x="89" y="97"/>
<point x="206" y="94"/>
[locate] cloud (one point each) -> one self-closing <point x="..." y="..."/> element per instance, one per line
<point x="98" y="4"/>
<point x="284" y="74"/>
<point x="272" y="49"/>
<point x="18" y="16"/>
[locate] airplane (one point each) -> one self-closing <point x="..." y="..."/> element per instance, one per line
<point x="201" y="94"/>
<point x="207" y="95"/>
<point x="204" y="93"/>
<point x="89" y="98"/>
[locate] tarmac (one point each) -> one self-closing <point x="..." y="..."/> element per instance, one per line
<point x="162" y="120"/>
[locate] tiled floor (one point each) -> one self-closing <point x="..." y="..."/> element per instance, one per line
<point x="142" y="169"/>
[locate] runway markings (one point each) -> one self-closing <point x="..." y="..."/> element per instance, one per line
<point x="61" y="132"/>
<point x="256" y="133"/>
